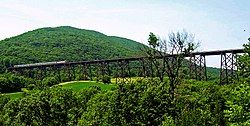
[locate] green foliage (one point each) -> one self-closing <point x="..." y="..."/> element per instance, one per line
<point x="15" y="95"/>
<point x="83" y="97"/>
<point x="80" y="77"/>
<point x="85" y="85"/>
<point x="153" y="40"/>
<point x="238" y="105"/>
<point x="132" y="104"/>
<point x="3" y="100"/>
<point x="244" y="64"/>
<point x="13" y="83"/>
<point x="213" y="73"/>
<point x="168" y="121"/>
<point x="106" y="79"/>
<point x="98" y="111"/>
<point x="49" y="81"/>
<point x="31" y="86"/>
<point x="146" y="102"/>
<point x="197" y="104"/>
<point x="53" y="106"/>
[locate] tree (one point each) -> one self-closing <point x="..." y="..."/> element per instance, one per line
<point x="244" y="64"/>
<point x="173" y="52"/>
<point x="179" y="45"/>
<point x="154" y="43"/>
<point x="153" y="40"/>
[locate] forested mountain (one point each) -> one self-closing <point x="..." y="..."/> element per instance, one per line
<point x="65" y="43"/>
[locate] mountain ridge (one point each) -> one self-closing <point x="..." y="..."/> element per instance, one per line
<point x="65" y="43"/>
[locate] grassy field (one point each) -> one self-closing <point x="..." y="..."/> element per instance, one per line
<point x="74" y="85"/>
<point x="78" y="85"/>
<point x="15" y="95"/>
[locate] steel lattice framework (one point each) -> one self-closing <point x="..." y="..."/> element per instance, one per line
<point x="197" y="69"/>
<point x="228" y="70"/>
<point x="123" y="72"/>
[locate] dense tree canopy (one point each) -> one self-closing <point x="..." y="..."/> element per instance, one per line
<point x="146" y="102"/>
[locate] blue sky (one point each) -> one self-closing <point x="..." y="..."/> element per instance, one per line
<point x="223" y="24"/>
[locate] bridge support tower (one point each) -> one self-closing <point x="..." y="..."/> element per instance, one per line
<point x="228" y="70"/>
<point x="197" y="68"/>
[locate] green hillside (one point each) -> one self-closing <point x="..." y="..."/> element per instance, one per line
<point x="67" y="43"/>
<point x="64" y="43"/>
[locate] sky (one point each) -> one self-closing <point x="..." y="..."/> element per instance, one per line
<point x="217" y="24"/>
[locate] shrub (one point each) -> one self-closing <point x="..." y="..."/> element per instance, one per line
<point x="3" y="100"/>
<point x="81" y="77"/>
<point x="106" y="79"/>
<point x="12" y="83"/>
<point x="31" y="86"/>
<point x="54" y="106"/>
<point x="238" y="105"/>
<point x="41" y="108"/>
<point x="130" y="104"/>
<point x="168" y="121"/>
<point x="49" y="81"/>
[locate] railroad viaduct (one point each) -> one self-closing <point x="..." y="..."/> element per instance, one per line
<point x="121" y="68"/>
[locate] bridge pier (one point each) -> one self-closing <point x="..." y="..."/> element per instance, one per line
<point x="36" y="73"/>
<point x="42" y="72"/>
<point x="67" y="72"/>
<point x="90" y="71"/>
<point x="86" y="71"/>
<point x="228" y="70"/>
<point x="143" y="69"/>
<point x="197" y="68"/>
<point x="147" y="67"/>
<point x="30" y="73"/>
<point x="123" y="72"/>
<point x="104" y="69"/>
<point x="58" y="69"/>
<point x="74" y="68"/>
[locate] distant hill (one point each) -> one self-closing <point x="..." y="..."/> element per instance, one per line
<point x="65" y="43"/>
<point x="213" y="73"/>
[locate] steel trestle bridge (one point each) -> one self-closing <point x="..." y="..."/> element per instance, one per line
<point x="141" y="67"/>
